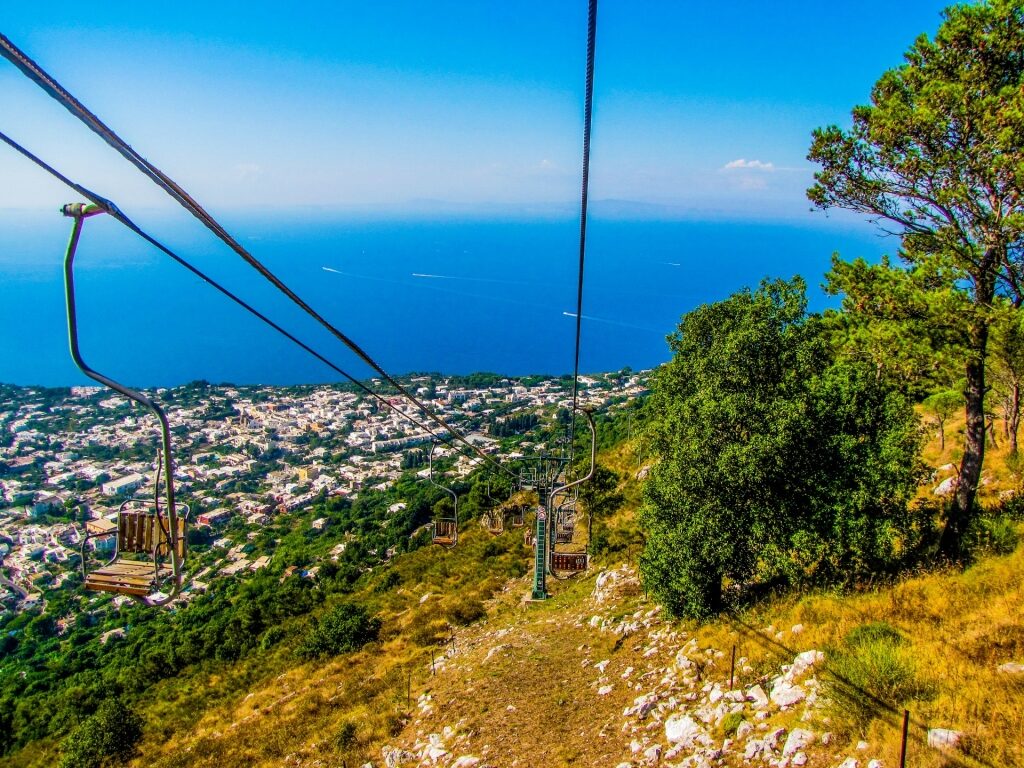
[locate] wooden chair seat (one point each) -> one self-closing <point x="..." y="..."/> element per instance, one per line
<point x="445" y="532"/>
<point x="128" y="577"/>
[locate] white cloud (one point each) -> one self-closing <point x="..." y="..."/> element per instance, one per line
<point x="749" y="165"/>
<point x="248" y="171"/>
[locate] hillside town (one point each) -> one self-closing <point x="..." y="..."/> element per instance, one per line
<point x="244" y="457"/>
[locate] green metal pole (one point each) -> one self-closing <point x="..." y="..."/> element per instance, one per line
<point x="540" y="542"/>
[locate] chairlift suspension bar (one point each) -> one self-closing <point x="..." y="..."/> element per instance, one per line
<point x="130" y="577"/>
<point x="54" y="89"/>
<point x="79" y="212"/>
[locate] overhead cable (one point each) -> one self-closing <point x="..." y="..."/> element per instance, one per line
<point x="588" y="111"/>
<point x="54" y="89"/>
<point x="111" y="209"/>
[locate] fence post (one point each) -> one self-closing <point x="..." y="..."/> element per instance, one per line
<point x="903" y="742"/>
<point x="732" y="667"/>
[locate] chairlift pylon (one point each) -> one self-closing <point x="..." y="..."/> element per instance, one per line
<point x="150" y="544"/>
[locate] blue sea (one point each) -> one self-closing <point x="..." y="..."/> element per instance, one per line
<point x="453" y="294"/>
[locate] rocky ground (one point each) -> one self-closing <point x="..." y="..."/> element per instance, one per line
<point x="606" y="681"/>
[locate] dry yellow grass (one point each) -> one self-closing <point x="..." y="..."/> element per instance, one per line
<point x="519" y="685"/>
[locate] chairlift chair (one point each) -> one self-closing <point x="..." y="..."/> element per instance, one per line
<point x="446" y="529"/>
<point x="149" y="555"/>
<point x="494" y="518"/>
<point x="568" y="562"/>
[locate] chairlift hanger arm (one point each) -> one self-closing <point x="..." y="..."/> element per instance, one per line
<point x="593" y="457"/>
<point x="79" y="212"/>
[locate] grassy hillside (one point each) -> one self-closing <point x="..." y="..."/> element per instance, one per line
<point x="521" y="683"/>
<point x="463" y="667"/>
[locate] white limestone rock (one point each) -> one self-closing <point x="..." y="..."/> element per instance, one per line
<point x="797" y="740"/>
<point x="682" y="729"/>
<point x="757" y="696"/>
<point x="653" y="753"/>
<point x="642" y="705"/>
<point x="1012" y="668"/>
<point x="804" y="662"/>
<point x="604" y="690"/>
<point x="786" y="694"/>
<point x="850" y="762"/>
<point x="943" y="738"/>
<point x="466" y="761"/>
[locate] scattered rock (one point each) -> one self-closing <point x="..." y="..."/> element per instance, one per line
<point x="466" y="761"/>
<point x="682" y="729"/>
<point x="850" y="762"/>
<point x="799" y="759"/>
<point x="786" y="694"/>
<point x="803" y="662"/>
<point x="797" y="740"/>
<point x="861" y="746"/>
<point x="653" y="753"/>
<point x="394" y="756"/>
<point x="641" y="706"/>
<point x="600" y="666"/>
<point x="943" y="738"/>
<point x="604" y="690"/>
<point x="1012" y="668"/>
<point x="757" y="695"/>
<point x="875" y="763"/>
<point x="946" y="487"/>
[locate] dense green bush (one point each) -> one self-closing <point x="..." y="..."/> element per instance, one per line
<point x="777" y="458"/>
<point x="110" y="735"/>
<point x="344" y="628"/>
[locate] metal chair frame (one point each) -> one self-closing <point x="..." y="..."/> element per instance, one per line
<point x="446" y="529"/>
<point x="166" y="529"/>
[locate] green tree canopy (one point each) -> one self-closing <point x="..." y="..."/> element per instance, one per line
<point x="107" y="737"/>
<point x="775" y="457"/>
<point x="938" y="158"/>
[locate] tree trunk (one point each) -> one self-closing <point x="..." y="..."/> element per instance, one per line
<point x="961" y="510"/>
<point x="1014" y="420"/>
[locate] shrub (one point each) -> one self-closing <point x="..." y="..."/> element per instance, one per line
<point x="731" y="722"/>
<point x="344" y="628"/>
<point x="111" y="733"/>
<point x="464" y="609"/>
<point x="872" y="672"/>
<point x="271" y="637"/>
<point x="995" y="534"/>
<point x="346" y="735"/>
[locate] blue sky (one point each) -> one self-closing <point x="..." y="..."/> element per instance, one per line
<point x="706" y="108"/>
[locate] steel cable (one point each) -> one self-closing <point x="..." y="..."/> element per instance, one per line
<point x="54" y="89"/>
<point x="116" y="213"/>
<point x="588" y="111"/>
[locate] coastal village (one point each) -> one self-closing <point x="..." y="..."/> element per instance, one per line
<point x="244" y="456"/>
